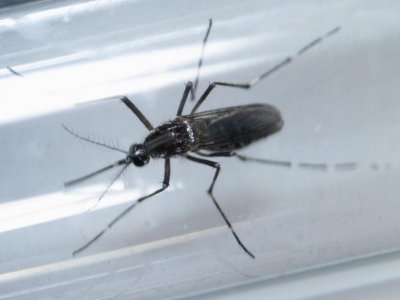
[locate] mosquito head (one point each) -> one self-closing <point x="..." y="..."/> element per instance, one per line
<point x="138" y="155"/>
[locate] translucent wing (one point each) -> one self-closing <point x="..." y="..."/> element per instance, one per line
<point x="234" y="127"/>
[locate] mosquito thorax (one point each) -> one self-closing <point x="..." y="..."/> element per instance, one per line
<point x="138" y="155"/>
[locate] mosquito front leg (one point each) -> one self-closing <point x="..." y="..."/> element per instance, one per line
<point x="137" y="112"/>
<point x="165" y="184"/>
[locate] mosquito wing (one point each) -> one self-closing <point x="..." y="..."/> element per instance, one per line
<point x="234" y="127"/>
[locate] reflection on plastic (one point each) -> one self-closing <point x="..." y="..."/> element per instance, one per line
<point x="44" y="208"/>
<point x="57" y="88"/>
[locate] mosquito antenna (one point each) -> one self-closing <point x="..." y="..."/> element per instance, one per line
<point x="200" y="63"/>
<point x="90" y="175"/>
<point x="92" y="141"/>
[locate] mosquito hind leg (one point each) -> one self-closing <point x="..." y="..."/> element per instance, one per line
<point x="322" y="166"/>
<point x="216" y="166"/>
<point x="165" y="184"/>
<point x="254" y="81"/>
<point x="282" y="163"/>
<point x="343" y="166"/>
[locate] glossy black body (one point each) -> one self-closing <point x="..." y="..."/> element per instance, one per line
<point x="224" y="129"/>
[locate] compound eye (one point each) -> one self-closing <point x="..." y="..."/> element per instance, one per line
<point x="138" y="155"/>
<point x="140" y="160"/>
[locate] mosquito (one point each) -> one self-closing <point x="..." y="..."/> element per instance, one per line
<point x="200" y="136"/>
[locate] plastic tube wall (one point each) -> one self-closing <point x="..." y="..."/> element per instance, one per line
<point x="339" y="102"/>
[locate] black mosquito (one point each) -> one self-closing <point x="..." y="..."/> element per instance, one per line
<point x="213" y="133"/>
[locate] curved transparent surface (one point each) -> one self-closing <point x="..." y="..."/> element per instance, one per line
<point x="339" y="102"/>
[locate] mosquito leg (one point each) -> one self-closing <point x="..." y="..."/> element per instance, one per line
<point x="165" y="184"/>
<point x="203" y="97"/>
<point x="11" y="70"/>
<point x="200" y="63"/>
<point x="253" y="82"/>
<point x="345" y="166"/>
<point x="210" y="192"/>
<point x="137" y="112"/>
<point x="185" y="95"/>
<point x="110" y="185"/>
<point x="90" y="175"/>
<point x="282" y="163"/>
